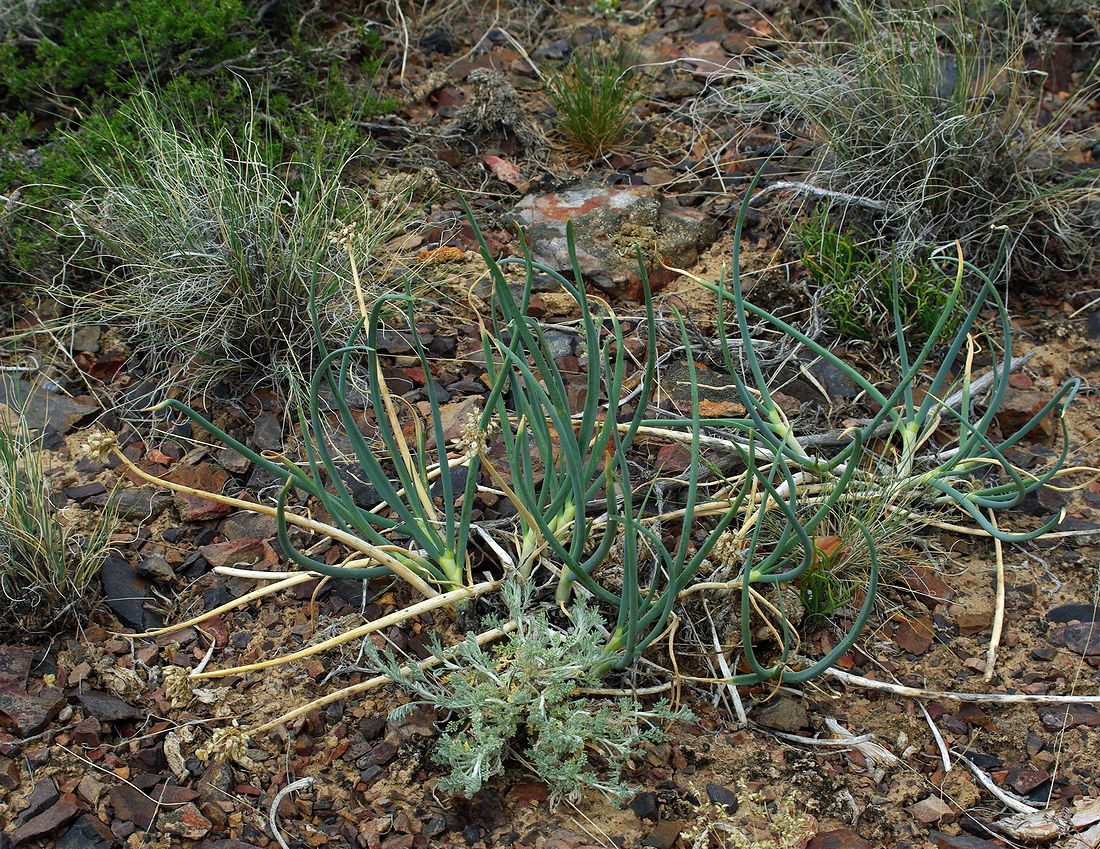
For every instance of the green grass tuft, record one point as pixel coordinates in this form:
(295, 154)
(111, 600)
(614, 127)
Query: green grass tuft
(593, 97)
(857, 284)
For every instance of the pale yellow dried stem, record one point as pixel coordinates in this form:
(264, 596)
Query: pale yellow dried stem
(373, 683)
(999, 609)
(395, 618)
(353, 542)
(261, 592)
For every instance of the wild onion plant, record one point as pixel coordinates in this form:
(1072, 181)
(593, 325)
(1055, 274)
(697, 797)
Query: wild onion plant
(596, 525)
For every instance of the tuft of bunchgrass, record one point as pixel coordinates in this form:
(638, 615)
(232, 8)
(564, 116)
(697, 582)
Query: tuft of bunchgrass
(931, 118)
(210, 243)
(593, 96)
(46, 562)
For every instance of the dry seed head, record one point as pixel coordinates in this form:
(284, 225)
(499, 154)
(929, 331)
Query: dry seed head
(228, 744)
(176, 686)
(98, 445)
(726, 553)
(345, 236)
(472, 440)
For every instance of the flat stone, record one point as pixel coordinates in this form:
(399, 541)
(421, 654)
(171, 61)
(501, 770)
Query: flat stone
(664, 835)
(155, 568)
(928, 587)
(1066, 613)
(132, 805)
(1054, 718)
(914, 634)
(216, 781)
(783, 714)
(45, 823)
(840, 838)
(254, 525)
(267, 433)
(108, 708)
(721, 795)
(1024, 780)
(644, 805)
(203, 476)
(90, 790)
(931, 810)
(42, 410)
(135, 503)
(42, 796)
(608, 222)
(86, 833)
(1018, 407)
(1081, 638)
(245, 551)
(83, 492)
(22, 712)
(126, 594)
(186, 822)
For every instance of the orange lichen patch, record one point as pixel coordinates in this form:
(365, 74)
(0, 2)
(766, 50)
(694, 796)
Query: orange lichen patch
(438, 256)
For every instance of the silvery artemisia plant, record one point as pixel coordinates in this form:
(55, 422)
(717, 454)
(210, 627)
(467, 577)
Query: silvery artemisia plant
(520, 698)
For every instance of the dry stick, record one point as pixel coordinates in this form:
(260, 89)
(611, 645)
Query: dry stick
(301, 578)
(378, 681)
(988, 783)
(300, 784)
(999, 610)
(945, 755)
(350, 540)
(871, 750)
(394, 618)
(827, 742)
(973, 698)
(735, 697)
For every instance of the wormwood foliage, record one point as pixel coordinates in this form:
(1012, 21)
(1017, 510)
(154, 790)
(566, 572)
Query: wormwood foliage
(520, 698)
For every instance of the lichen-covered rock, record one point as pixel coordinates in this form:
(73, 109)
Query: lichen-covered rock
(610, 223)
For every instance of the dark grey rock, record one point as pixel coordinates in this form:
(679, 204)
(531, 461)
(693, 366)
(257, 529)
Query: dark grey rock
(126, 594)
(156, 568)
(107, 708)
(137, 503)
(42, 796)
(721, 795)
(267, 433)
(644, 806)
(83, 834)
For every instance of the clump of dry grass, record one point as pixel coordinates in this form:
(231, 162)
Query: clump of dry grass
(211, 244)
(932, 117)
